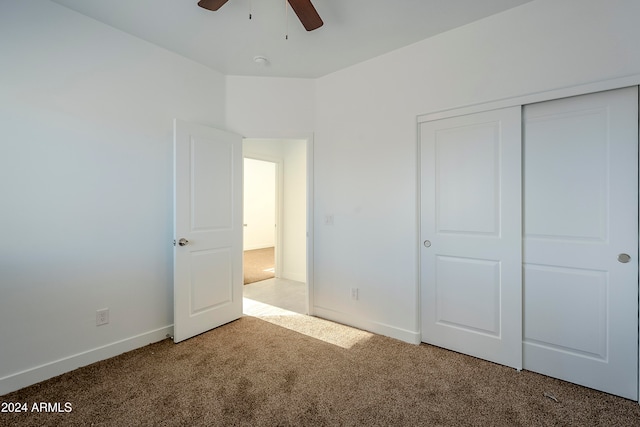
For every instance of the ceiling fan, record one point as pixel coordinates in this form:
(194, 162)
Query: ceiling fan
(303, 8)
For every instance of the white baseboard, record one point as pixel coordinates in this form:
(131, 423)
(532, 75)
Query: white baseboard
(256, 247)
(411, 337)
(40, 373)
(290, 275)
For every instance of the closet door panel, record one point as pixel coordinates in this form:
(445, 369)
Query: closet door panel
(580, 213)
(471, 232)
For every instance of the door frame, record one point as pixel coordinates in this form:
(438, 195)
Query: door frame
(521, 100)
(308, 138)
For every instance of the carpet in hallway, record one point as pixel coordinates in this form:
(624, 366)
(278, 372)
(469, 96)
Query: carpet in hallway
(259, 264)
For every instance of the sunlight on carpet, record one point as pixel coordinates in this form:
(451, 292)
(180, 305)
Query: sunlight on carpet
(324, 330)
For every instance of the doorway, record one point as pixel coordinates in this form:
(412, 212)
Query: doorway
(260, 219)
(275, 225)
(208, 223)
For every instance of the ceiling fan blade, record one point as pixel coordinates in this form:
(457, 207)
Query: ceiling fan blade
(211, 4)
(307, 14)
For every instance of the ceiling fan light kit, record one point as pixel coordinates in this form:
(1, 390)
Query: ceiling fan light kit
(307, 13)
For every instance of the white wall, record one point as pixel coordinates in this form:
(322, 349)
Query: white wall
(260, 107)
(86, 186)
(259, 208)
(365, 137)
(294, 263)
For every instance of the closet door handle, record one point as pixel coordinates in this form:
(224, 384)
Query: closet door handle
(624, 258)
(427, 243)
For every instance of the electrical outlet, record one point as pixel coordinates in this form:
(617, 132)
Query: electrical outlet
(354, 294)
(102, 316)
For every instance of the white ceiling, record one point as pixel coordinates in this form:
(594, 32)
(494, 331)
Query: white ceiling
(227, 41)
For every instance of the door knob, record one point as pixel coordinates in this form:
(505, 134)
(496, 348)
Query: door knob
(183, 242)
(427, 243)
(624, 258)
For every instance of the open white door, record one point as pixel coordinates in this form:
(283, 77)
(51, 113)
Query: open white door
(471, 232)
(208, 229)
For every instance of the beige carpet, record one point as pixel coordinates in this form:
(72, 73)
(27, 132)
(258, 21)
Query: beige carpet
(259, 264)
(298, 371)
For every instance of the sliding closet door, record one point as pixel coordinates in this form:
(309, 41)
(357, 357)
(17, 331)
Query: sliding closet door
(581, 240)
(471, 233)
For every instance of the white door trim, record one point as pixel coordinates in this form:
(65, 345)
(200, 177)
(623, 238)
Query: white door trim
(530, 98)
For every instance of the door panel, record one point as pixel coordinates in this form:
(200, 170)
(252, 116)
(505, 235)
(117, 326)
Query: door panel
(208, 214)
(205, 265)
(551, 291)
(575, 197)
(212, 188)
(471, 217)
(580, 212)
(477, 148)
(456, 300)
